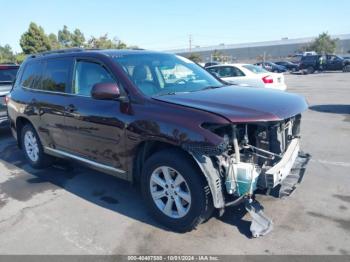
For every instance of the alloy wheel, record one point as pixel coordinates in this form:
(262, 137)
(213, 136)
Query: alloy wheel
(170, 192)
(31, 146)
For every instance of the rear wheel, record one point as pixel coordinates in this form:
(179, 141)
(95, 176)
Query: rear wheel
(174, 190)
(33, 149)
(310, 70)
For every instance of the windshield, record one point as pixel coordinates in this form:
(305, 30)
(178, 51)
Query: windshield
(255, 69)
(8, 75)
(159, 74)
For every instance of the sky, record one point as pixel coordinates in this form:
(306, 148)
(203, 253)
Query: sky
(167, 24)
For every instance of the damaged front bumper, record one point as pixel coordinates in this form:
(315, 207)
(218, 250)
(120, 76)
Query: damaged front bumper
(283, 176)
(276, 174)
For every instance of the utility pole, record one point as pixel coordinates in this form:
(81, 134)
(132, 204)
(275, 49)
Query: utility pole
(190, 43)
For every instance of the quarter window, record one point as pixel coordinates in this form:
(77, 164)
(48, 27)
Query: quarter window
(32, 74)
(87, 74)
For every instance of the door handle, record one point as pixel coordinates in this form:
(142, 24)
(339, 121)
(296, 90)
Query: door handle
(71, 109)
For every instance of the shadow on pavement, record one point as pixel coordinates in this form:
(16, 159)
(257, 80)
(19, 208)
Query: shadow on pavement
(98, 188)
(234, 216)
(335, 109)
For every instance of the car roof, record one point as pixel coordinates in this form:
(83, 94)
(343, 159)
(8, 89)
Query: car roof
(231, 64)
(80, 51)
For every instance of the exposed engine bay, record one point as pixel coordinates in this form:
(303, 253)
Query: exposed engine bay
(252, 156)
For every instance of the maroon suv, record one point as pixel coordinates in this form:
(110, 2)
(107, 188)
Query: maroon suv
(193, 143)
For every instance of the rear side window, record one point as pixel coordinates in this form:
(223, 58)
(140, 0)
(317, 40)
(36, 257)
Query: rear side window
(213, 70)
(229, 71)
(32, 74)
(56, 75)
(8, 75)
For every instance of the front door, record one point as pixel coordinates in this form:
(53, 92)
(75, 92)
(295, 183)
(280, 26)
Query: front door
(94, 128)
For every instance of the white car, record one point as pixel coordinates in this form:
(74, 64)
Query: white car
(248, 75)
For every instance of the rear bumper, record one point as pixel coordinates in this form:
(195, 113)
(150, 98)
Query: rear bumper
(4, 121)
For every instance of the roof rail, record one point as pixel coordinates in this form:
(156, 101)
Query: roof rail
(59, 51)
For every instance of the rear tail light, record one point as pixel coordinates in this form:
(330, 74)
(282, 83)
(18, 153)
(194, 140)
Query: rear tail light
(7, 99)
(267, 80)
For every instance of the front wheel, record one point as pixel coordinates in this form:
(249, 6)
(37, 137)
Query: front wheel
(174, 190)
(33, 149)
(346, 68)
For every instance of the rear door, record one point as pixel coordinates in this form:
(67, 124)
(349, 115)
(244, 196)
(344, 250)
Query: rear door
(45, 84)
(95, 128)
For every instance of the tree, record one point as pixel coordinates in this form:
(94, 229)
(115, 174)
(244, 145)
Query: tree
(78, 39)
(103, 42)
(217, 56)
(20, 58)
(34, 40)
(68, 39)
(54, 42)
(6, 54)
(195, 57)
(65, 37)
(323, 44)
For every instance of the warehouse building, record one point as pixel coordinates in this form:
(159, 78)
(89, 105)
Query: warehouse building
(271, 50)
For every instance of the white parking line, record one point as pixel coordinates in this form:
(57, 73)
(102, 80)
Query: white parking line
(335, 163)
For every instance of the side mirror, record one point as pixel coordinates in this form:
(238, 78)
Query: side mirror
(105, 91)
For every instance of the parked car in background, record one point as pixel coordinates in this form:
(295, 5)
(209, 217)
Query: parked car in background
(211, 64)
(306, 53)
(289, 65)
(330, 63)
(7, 76)
(272, 67)
(161, 121)
(248, 75)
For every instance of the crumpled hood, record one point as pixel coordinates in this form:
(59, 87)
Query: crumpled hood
(241, 104)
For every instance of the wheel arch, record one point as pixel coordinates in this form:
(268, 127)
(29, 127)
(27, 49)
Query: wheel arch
(146, 149)
(20, 123)
(203, 163)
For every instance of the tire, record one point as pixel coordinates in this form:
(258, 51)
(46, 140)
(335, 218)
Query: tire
(310, 70)
(194, 212)
(346, 68)
(33, 149)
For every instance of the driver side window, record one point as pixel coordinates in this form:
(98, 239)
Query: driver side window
(87, 74)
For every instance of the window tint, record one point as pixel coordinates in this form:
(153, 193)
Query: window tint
(8, 75)
(56, 75)
(237, 72)
(255, 69)
(87, 74)
(213, 70)
(230, 71)
(225, 72)
(32, 73)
